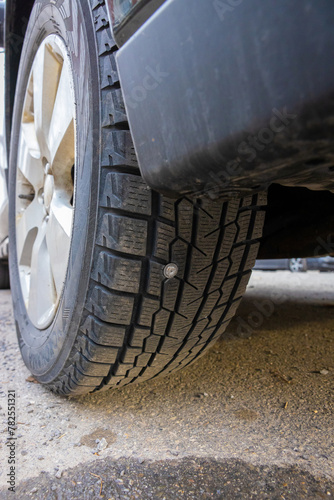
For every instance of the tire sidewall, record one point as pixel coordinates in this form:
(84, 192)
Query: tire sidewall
(45, 351)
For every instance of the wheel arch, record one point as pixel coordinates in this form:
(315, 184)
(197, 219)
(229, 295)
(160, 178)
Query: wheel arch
(17, 16)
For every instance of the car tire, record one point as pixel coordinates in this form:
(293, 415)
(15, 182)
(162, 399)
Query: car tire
(150, 283)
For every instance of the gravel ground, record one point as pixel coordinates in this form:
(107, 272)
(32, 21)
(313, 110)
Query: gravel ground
(188, 478)
(259, 405)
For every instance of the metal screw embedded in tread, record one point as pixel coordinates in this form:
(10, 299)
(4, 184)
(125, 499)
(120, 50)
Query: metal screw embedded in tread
(170, 270)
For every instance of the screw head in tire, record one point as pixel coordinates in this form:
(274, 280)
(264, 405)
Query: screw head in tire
(170, 271)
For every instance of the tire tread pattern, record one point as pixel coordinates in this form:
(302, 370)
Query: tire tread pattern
(136, 323)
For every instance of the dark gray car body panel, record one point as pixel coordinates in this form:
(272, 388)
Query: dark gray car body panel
(232, 99)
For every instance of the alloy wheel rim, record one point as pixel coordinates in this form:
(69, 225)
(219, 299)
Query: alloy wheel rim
(296, 265)
(45, 181)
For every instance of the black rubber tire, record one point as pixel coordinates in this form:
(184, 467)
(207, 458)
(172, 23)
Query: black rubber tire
(4, 275)
(120, 320)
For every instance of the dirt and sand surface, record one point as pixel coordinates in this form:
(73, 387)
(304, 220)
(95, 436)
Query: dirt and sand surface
(253, 418)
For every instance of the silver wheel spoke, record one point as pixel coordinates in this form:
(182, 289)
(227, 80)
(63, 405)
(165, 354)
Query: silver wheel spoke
(44, 92)
(62, 121)
(58, 237)
(30, 166)
(27, 224)
(42, 294)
